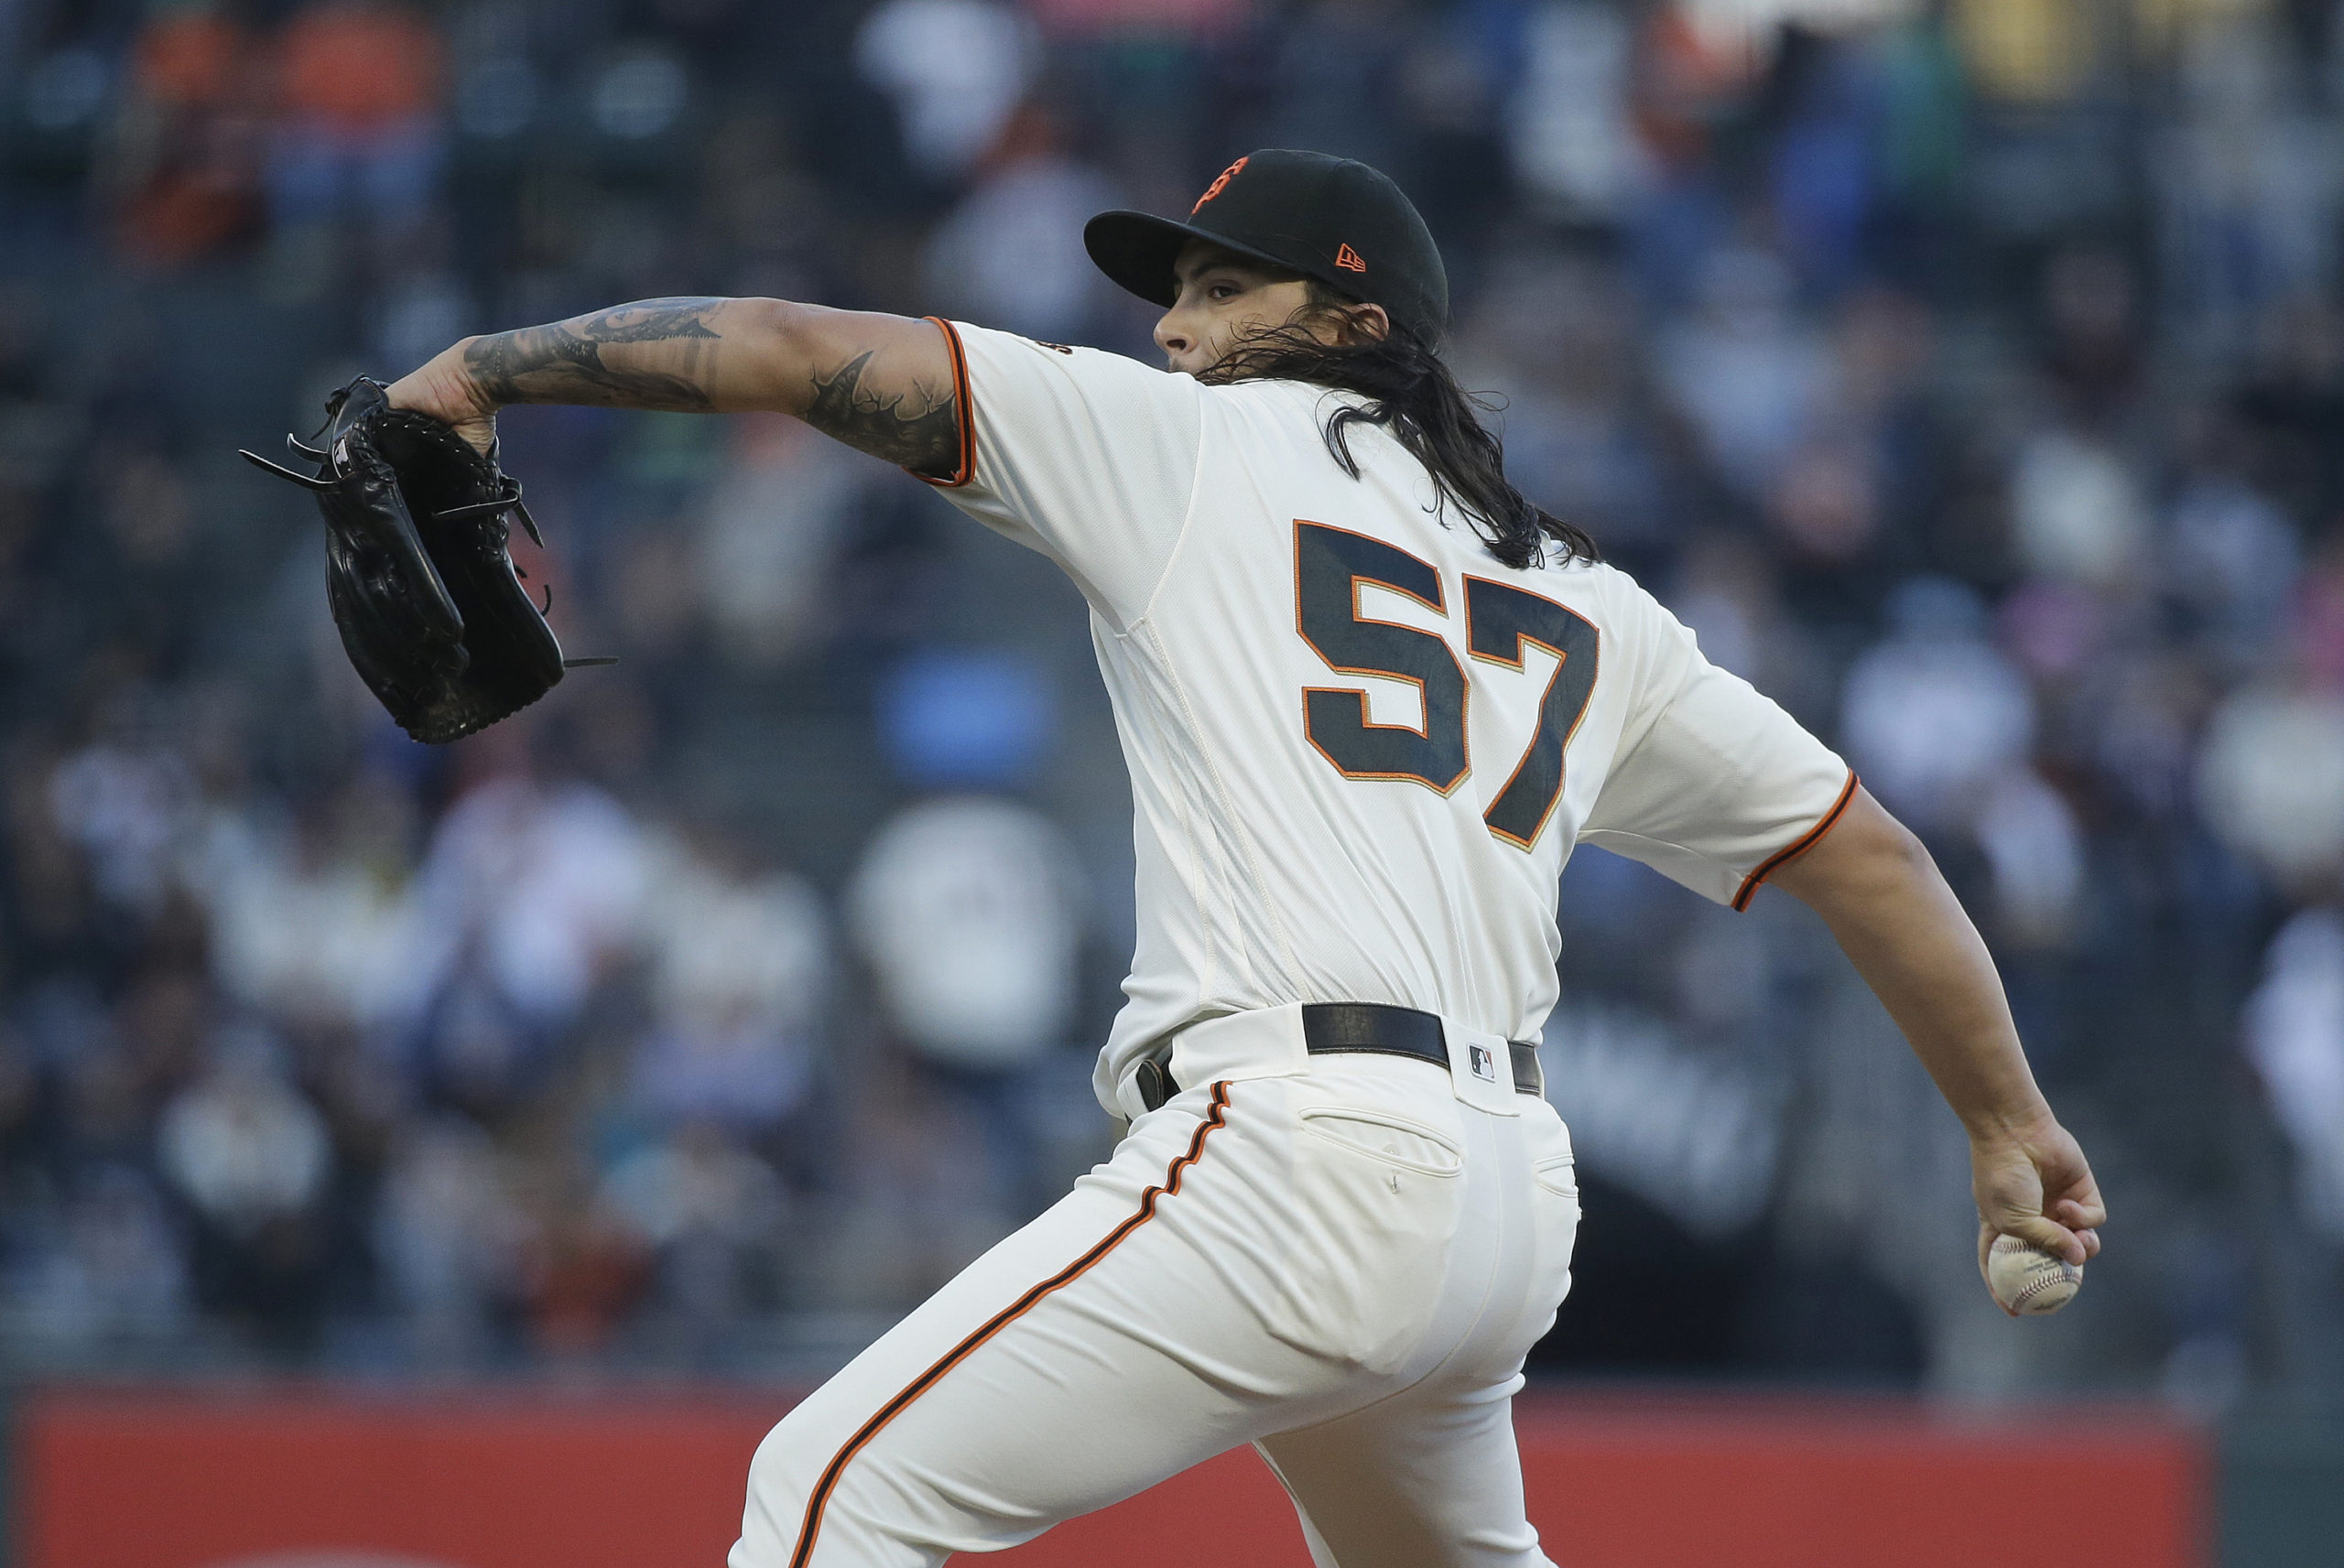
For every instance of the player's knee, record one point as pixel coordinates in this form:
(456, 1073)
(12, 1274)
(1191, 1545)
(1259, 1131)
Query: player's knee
(782, 1475)
(801, 1490)
(783, 1471)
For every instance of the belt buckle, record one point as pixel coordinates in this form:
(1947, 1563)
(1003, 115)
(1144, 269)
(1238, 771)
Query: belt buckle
(1480, 1069)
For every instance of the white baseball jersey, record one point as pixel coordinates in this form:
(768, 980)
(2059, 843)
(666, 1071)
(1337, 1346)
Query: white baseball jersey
(1361, 748)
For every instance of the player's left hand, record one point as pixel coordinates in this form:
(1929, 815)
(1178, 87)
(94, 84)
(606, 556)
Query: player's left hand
(440, 388)
(2036, 1185)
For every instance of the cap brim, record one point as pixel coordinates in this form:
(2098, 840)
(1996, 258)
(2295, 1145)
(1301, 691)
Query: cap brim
(1137, 250)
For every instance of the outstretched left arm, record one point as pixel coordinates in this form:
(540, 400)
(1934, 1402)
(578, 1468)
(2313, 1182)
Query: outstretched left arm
(881, 383)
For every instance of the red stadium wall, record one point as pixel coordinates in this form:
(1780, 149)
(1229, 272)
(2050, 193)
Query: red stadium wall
(345, 1480)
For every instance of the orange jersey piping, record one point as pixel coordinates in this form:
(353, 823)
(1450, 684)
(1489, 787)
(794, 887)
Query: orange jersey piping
(965, 469)
(1807, 842)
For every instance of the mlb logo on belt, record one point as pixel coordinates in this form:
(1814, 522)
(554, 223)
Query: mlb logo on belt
(1485, 1064)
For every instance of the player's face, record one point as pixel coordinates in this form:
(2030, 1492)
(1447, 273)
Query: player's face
(1224, 299)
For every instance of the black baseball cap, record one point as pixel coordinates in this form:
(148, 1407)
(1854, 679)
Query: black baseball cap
(1332, 219)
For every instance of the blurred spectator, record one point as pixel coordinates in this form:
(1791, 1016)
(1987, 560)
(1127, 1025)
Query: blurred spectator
(956, 70)
(1743, 369)
(1863, 470)
(2290, 409)
(709, 1213)
(2294, 1037)
(450, 1237)
(740, 981)
(1694, 1135)
(2034, 850)
(359, 87)
(474, 1050)
(163, 1019)
(2252, 186)
(50, 900)
(185, 163)
(1557, 335)
(310, 920)
(1825, 171)
(917, 1204)
(1568, 122)
(1726, 591)
(1936, 712)
(113, 1279)
(2091, 312)
(768, 533)
(124, 801)
(1824, 503)
(2233, 559)
(2076, 514)
(584, 1263)
(1939, 723)
(530, 887)
(2025, 51)
(252, 1160)
(967, 907)
(2272, 777)
(1010, 255)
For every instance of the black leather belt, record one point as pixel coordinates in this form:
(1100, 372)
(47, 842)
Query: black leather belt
(1334, 1027)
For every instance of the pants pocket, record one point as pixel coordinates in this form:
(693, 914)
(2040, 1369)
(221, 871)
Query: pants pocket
(1377, 1197)
(1559, 1175)
(1393, 1140)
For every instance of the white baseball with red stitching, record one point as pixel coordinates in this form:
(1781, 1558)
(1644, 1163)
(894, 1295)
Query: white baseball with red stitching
(2028, 1281)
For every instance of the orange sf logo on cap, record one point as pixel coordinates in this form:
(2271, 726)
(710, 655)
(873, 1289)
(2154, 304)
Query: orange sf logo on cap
(1348, 259)
(1217, 187)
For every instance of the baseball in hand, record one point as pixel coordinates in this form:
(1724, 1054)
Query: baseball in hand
(2028, 1281)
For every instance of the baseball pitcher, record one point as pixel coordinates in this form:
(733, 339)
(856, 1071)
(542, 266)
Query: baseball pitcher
(1370, 697)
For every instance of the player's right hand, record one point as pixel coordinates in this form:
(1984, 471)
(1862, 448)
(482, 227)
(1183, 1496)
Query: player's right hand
(2036, 1185)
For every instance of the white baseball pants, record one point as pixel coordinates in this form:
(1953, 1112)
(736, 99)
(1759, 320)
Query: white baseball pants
(1340, 1258)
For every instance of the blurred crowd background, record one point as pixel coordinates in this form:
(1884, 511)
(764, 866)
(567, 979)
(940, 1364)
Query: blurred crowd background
(1970, 373)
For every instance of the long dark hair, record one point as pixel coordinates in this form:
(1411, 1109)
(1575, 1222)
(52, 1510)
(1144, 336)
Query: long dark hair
(1409, 391)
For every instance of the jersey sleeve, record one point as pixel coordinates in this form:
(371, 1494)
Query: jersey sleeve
(1090, 458)
(1713, 785)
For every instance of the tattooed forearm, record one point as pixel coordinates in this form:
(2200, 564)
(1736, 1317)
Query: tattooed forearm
(919, 430)
(884, 384)
(671, 355)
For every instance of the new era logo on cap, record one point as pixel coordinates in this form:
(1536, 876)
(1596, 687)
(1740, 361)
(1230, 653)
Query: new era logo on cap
(1485, 1064)
(1346, 258)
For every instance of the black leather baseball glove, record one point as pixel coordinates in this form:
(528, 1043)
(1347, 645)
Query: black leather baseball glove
(430, 604)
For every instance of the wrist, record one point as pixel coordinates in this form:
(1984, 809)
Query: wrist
(461, 384)
(2004, 1127)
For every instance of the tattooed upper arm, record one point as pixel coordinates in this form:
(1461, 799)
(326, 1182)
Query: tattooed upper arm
(914, 424)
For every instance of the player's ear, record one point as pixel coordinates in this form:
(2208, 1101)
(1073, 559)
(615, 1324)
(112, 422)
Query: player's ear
(1366, 323)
